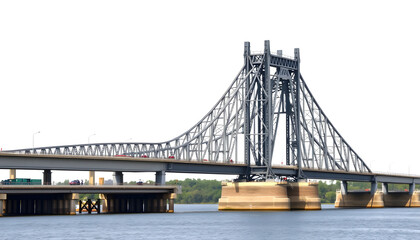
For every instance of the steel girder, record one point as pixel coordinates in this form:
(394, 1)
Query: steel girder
(242, 126)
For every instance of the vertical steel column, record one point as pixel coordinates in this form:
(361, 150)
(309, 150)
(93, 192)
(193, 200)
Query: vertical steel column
(118, 178)
(267, 108)
(412, 188)
(286, 92)
(47, 177)
(344, 188)
(297, 115)
(160, 178)
(247, 119)
(373, 187)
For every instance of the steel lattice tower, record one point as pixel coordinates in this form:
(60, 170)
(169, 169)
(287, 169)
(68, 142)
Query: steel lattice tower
(242, 126)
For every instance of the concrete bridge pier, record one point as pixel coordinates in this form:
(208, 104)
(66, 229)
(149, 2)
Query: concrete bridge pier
(272, 196)
(171, 201)
(12, 174)
(360, 199)
(118, 178)
(303, 196)
(3, 198)
(401, 199)
(91, 177)
(47, 177)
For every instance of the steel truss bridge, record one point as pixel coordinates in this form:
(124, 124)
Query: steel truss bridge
(242, 127)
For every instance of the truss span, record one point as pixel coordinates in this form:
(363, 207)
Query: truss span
(242, 126)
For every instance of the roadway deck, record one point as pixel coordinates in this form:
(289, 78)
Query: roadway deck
(130, 164)
(104, 189)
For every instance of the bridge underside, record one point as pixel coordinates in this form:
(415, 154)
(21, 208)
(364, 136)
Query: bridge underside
(62, 200)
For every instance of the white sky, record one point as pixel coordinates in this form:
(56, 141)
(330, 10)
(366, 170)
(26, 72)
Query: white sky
(149, 70)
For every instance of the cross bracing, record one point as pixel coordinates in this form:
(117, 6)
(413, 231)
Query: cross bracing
(243, 125)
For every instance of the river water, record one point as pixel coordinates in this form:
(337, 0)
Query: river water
(203, 221)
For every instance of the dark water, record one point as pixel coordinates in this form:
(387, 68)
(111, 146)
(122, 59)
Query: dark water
(205, 222)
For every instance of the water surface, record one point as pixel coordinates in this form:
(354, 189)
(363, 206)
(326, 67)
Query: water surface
(203, 221)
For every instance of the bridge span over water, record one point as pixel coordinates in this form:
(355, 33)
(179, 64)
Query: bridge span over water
(162, 166)
(237, 136)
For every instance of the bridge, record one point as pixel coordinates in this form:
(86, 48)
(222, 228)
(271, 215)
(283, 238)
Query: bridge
(237, 136)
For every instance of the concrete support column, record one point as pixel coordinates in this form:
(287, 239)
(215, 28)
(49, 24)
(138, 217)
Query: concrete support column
(344, 188)
(91, 177)
(12, 174)
(171, 202)
(3, 198)
(160, 178)
(412, 187)
(73, 202)
(47, 177)
(373, 187)
(385, 188)
(118, 178)
(104, 201)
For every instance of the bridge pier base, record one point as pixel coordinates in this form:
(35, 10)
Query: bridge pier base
(401, 199)
(359, 200)
(271, 196)
(303, 196)
(377, 199)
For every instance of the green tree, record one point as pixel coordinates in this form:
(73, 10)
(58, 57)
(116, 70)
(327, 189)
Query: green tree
(198, 190)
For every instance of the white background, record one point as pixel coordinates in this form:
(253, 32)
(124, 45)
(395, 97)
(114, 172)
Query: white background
(149, 70)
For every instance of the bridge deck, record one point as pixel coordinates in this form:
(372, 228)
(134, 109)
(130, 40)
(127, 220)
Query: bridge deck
(105, 189)
(130, 164)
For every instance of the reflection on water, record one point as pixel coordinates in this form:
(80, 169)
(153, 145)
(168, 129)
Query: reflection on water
(203, 221)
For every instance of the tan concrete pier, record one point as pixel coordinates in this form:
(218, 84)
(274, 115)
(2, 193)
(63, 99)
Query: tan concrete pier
(377, 199)
(359, 200)
(269, 196)
(402, 199)
(303, 196)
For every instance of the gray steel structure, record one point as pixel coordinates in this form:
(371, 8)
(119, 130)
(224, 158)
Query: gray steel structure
(268, 86)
